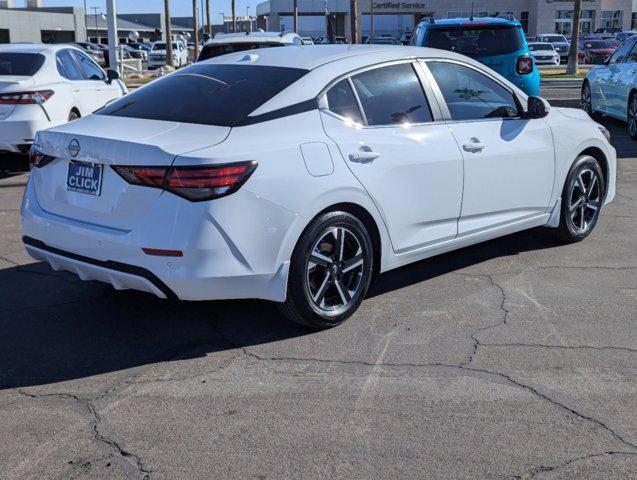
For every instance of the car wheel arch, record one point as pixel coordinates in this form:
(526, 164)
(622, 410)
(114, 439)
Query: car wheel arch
(598, 155)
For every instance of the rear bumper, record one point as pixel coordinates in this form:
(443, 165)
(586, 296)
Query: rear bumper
(16, 133)
(230, 247)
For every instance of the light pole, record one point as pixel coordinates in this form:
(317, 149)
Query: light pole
(223, 21)
(85, 25)
(195, 28)
(249, 26)
(169, 37)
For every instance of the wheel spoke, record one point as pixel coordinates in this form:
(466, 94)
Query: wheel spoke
(320, 293)
(353, 263)
(340, 243)
(317, 258)
(574, 206)
(593, 182)
(343, 292)
(582, 219)
(593, 205)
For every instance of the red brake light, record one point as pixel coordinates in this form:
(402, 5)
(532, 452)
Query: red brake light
(38, 159)
(525, 65)
(194, 183)
(25, 98)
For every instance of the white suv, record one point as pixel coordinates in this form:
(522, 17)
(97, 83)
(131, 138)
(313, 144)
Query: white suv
(224, 43)
(157, 55)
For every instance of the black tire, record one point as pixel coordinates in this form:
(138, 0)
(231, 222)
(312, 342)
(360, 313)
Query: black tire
(328, 279)
(586, 102)
(73, 115)
(631, 116)
(581, 206)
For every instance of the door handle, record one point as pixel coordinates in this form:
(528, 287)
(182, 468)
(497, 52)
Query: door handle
(364, 156)
(474, 146)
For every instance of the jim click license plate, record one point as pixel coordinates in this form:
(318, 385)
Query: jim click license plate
(84, 178)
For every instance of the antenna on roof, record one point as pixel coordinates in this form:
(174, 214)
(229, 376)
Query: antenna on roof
(471, 19)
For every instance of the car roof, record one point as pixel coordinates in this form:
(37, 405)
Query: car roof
(278, 37)
(34, 47)
(328, 62)
(446, 22)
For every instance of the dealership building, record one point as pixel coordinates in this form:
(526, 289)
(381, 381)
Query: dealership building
(395, 17)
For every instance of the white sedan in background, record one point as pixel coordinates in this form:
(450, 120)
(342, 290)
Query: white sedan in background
(298, 174)
(544, 53)
(42, 86)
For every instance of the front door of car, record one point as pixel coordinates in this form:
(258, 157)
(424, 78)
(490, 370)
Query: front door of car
(409, 164)
(612, 84)
(508, 161)
(94, 89)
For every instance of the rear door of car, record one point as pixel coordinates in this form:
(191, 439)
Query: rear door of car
(394, 142)
(611, 86)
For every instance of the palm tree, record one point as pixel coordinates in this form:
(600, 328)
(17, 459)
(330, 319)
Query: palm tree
(571, 68)
(296, 16)
(234, 17)
(353, 15)
(169, 37)
(195, 27)
(208, 17)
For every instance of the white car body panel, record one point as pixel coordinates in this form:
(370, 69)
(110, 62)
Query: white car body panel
(425, 194)
(19, 123)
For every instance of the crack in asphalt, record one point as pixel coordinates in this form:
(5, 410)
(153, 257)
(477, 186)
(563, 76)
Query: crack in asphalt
(140, 470)
(552, 468)
(563, 347)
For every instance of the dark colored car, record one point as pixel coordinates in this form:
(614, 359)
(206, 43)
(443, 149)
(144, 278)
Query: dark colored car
(595, 51)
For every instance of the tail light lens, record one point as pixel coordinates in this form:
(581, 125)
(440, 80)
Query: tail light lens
(38, 159)
(525, 65)
(194, 183)
(26, 98)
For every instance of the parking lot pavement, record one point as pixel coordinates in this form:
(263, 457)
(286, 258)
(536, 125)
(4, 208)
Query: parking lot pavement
(516, 358)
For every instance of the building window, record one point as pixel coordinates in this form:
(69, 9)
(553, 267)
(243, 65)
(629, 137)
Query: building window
(524, 20)
(4, 36)
(564, 22)
(612, 19)
(633, 21)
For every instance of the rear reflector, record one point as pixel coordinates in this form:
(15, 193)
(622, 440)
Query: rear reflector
(194, 183)
(525, 65)
(38, 159)
(163, 253)
(25, 98)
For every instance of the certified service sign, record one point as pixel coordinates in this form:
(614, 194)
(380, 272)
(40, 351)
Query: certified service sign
(74, 148)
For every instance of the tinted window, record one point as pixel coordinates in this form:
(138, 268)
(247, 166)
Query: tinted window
(215, 50)
(475, 41)
(621, 53)
(341, 100)
(206, 94)
(471, 95)
(540, 46)
(632, 57)
(67, 66)
(20, 63)
(392, 95)
(90, 69)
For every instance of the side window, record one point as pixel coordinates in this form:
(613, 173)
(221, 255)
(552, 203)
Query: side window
(621, 53)
(632, 57)
(67, 66)
(392, 95)
(90, 69)
(471, 95)
(341, 101)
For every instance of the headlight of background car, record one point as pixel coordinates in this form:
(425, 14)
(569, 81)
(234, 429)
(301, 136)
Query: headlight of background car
(605, 132)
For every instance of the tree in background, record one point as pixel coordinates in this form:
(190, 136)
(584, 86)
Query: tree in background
(169, 36)
(571, 68)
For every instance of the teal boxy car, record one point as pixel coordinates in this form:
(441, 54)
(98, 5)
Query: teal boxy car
(496, 42)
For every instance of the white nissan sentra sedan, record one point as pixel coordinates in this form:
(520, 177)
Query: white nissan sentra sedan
(42, 86)
(298, 174)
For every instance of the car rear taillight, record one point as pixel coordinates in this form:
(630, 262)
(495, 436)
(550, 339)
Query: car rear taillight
(38, 159)
(525, 65)
(26, 98)
(194, 183)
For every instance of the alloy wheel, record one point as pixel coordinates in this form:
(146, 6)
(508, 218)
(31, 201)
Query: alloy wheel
(632, 117)
(585, 195)
(334, 270)
(585, 101)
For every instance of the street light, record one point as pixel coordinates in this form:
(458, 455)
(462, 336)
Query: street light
(85, 23)
(249, 27)
(97, 33)
(223, 21)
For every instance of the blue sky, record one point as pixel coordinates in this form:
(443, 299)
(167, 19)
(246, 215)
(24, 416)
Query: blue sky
(178, 8)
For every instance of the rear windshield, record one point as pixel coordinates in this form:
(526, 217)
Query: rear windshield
(222, 95)
(598, 44)
(215, 50)
(554, 38)
(540, 46)
(20, 63)
(162, 46)
(476, 41)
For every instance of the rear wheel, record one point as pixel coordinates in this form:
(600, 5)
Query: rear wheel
(330, 271)
(73, 115)
(582, 199)
(632, 116)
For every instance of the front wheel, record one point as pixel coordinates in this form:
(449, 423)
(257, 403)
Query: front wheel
(582, 199)
(586, 101)
(632, 116)
(330, 271)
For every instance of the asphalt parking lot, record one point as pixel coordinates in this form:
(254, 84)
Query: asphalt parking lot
(516, 358)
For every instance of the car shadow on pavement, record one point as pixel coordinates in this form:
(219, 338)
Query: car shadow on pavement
(13, 164)
(56, 327)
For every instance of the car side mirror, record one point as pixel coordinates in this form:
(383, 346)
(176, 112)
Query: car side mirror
(537, 108)
(112, 74)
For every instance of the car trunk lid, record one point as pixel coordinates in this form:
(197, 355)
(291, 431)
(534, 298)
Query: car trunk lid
(101, 142)
(11, 84)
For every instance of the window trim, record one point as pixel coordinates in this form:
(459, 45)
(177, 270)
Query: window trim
(434, 108)
(446, 113)
(74, 60)
(77, 56)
